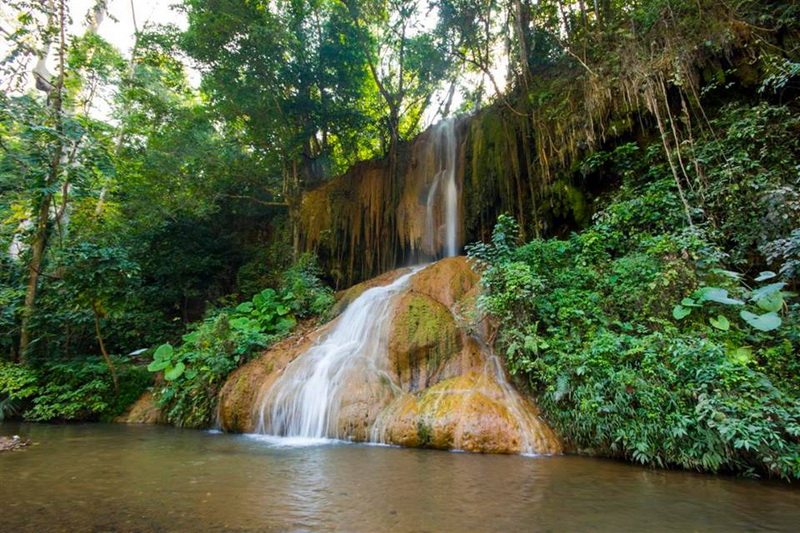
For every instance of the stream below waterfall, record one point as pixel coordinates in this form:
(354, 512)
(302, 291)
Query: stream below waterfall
(146, 478)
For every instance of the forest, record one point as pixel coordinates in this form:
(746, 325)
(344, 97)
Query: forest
(629, 180)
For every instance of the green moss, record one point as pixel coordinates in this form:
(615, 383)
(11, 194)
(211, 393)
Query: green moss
(569, 201)
(424, 434)
(426, 329)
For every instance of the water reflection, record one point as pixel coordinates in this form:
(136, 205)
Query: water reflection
(162, 479)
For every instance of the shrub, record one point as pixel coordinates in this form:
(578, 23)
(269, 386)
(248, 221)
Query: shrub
(75, 390)
(644, 348)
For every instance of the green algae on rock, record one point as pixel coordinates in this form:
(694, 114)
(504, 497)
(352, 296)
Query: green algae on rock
(426, 381)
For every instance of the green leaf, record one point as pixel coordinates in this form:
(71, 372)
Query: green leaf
(742, 355)
(772, 303)
(766, 290)
(729, 273)
(285, 324)
(190, 337)
(688, 302)
(679, 312)
(163, 352)
(174, 372)
(720, 323)
(715, 294)
(244, 307)
(240, 323)
(766, 275)
(158, 366)
(268, 294)
(765, 322)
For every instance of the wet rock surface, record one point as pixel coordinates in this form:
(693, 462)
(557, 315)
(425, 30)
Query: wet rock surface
(13, 443)
(428, 382)
(144, 411)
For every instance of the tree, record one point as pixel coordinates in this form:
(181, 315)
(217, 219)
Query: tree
(48, 178)
(289, 75)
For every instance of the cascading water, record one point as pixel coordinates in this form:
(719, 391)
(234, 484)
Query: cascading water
(305, 401)
(348, 384)
(442, 224)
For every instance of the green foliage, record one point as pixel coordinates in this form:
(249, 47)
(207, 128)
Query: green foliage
(194, 371)
(75, 390)
(309, 295)
(17, 384)
(267, 311)
(746, 172)
(769, 298)
(590, 324)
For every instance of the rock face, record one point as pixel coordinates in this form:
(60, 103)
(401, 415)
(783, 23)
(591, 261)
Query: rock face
(9, 444)
(144, 411)
(431, 382)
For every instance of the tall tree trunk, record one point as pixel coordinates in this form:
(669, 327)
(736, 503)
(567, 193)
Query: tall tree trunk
(41, 235)
(34, 269)
(520, 26)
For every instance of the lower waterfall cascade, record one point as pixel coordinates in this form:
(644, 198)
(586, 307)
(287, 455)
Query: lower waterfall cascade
(396, 367)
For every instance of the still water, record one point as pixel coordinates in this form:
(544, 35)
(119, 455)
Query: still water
(141, 478)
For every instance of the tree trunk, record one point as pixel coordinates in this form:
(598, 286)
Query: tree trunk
(103, 350)
(43, 224)
(520, 26)
(34, 269)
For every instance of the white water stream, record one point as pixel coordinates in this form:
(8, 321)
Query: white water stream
(442, 229)
(306, 399)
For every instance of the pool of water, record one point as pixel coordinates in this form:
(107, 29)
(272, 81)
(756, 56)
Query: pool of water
(142, 478)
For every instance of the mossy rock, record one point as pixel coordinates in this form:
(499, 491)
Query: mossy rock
(240, 393)
(361, 402)
(423, 338)
(448, 281)
(457, 413)
(467, 412)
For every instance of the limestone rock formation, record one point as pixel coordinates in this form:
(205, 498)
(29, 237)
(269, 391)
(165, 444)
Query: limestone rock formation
(437, 385)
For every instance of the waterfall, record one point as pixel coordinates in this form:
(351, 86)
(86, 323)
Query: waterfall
(443, 227)
(306, 400)
(352, 383)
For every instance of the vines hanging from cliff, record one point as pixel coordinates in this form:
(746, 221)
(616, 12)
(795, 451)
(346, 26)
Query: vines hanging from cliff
(628, 73)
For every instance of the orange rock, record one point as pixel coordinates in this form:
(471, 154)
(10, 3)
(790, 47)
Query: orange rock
(447, 281)
(437, 385)
(423, 339)
(144, 411)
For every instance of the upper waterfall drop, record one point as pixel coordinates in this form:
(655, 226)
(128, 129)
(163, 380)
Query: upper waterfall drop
(442, 225)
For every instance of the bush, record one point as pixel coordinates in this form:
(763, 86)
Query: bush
(196, 369)
(590, 325)
(310, 296)
(17, 384)
(76, 390)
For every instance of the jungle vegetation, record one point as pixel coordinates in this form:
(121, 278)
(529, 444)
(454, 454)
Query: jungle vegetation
(633, 174)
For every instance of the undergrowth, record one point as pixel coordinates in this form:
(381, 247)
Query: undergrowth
(649, 339)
